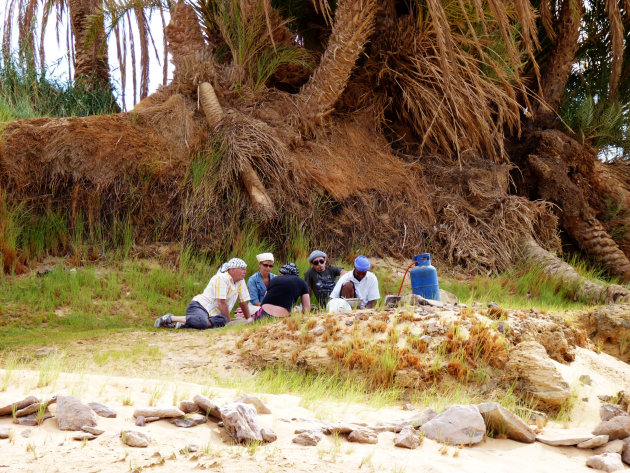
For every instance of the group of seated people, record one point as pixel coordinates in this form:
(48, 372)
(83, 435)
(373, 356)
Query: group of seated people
(270, 295)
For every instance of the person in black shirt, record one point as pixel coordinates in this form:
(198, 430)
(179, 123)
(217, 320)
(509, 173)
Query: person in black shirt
(321, 278)
(283, 292)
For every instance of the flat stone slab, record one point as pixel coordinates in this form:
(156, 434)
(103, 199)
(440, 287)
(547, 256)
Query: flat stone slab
(102, 410)
(563, 437)
(595, 442)
(27, 401)
(92, 430)
(83, 436)
(189, 420)
(161, 412)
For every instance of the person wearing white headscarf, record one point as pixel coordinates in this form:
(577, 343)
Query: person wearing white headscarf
(258, 282)
(211, 309)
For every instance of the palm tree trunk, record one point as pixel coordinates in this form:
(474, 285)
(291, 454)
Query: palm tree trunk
(354, 21)
(91, 64)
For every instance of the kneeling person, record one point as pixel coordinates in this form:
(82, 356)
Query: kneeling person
(211, 309)
(283, 292)
(360, 283)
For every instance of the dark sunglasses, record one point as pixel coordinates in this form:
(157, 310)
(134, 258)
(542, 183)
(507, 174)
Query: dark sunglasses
(318, 262)
(267, 265)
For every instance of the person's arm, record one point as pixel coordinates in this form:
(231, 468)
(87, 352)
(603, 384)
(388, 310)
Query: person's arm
(253, 292)
(245, 308)
(370, 304)
(223, 307)
(373, 293)
(306, 303)
(336, 292)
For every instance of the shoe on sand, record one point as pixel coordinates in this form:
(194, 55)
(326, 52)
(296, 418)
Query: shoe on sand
(163, 321)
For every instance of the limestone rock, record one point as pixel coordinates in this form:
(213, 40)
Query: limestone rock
(608, 411)
(616, 446)
(102, 410)
(72, 414)
(363, 435)
(135, 438)
(407, 438)
(501, 421)
(161, 412)
(563, 437)
(207, 406)
(268, 435)
(189, 421)
(609, 322)
(240, 422)
(425, 416)
(457, 425)
(4, 432)
(595, 442)
(254, 401)
(530, 364)
(27, 401)
(616, 428)
(308, 438)
(188, 407)
(92, 430)
(608, 462)
(83, 436)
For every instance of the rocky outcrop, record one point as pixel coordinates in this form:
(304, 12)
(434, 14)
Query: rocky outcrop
(72, 414)
(457, 425)
(500, 421)
(241, 422)
(536, 374)
(609, 326)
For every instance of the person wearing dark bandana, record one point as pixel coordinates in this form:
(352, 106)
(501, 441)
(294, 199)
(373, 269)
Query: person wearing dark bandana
(282, 294)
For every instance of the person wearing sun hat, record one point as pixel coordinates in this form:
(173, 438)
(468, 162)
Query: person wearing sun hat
(258, 282)
(211, 309)
(321, 277)
(282, 294)
(361, 283)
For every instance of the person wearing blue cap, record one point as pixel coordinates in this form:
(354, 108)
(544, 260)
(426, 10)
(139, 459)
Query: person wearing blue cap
(360, 283)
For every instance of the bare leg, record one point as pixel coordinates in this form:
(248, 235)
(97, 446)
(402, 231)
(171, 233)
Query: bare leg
(178, 318)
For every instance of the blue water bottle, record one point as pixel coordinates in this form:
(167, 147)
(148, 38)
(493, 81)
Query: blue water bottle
(424, 280)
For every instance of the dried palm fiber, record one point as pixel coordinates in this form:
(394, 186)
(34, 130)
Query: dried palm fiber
(464, 113)
(354, 21)
(555, 267)
(191, 56)
(255, 189)
(560, 170)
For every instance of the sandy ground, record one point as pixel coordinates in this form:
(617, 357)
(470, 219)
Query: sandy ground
(47, 449)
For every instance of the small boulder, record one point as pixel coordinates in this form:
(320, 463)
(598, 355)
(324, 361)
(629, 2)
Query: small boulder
(135, 438)
(616, 428)
(161, 412)
(92, 430)
(241, 422)
(189, 420)
(188, 407)
(83, 436)
(595, 442)
(448, 297)
(363, 435)
(102, 410)
(407, 438)
(317, 331)
(140, 421)
(207, 407)
(72, 414)
(616, 446)
(4, 432)
(256, 402)
(457, 425)
(608, 411)
(425, 416)
(308, 439)
(608, 462)
(268, 435)
(500, 421)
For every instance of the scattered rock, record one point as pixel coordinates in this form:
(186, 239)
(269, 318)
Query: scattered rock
(188, 407)
(308, 439)
(363, 435)
(207, 407)
(341, 428)
(608, 411)
(595, 442)
(349, 322)
(4, 432)
(457, 425)
(616, 428)
(268, 435)
(256, 402)
(92, 430)
(44, 351)
(140, 421)
(425, 416)
(83, 436)
(72, 414)
(27, 401)
(501, 421)
(33, 419)
(408, 407)
(161, 412)
(407, 438)
(586, 379)
(135, 438)
(530, 364)
(102, 410)
(189, 421)
(393, 426)
(501, 326)
(563, 437)
(604, 397)
(240, 421)
(26, 433)
(317, 331)
(608, 462)
(448, 297)
(616, 446)
(191, 448)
